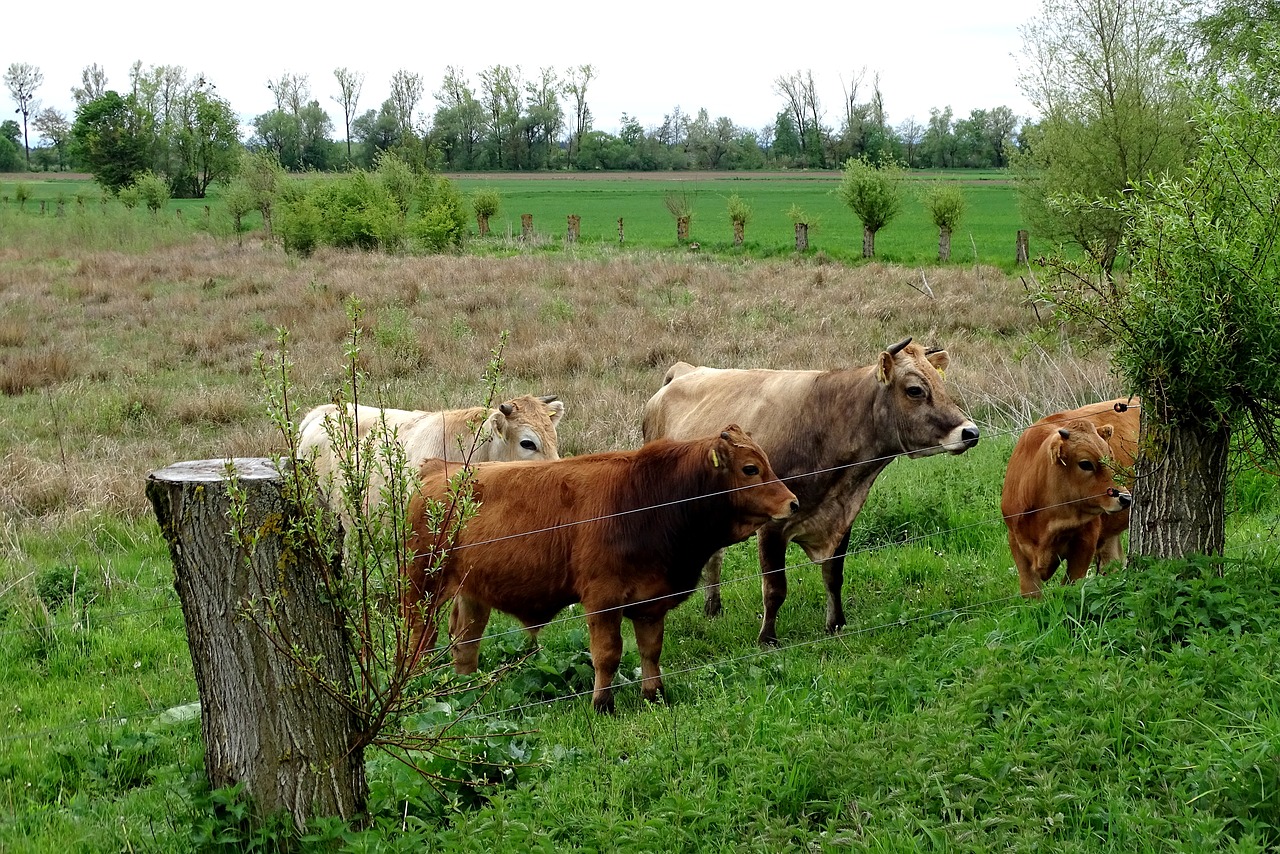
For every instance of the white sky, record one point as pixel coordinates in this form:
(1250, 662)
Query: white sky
(648, 57)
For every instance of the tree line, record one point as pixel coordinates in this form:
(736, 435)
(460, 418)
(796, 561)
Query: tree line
(175, 125)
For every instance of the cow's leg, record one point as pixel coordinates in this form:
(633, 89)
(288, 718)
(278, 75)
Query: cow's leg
(1029, 579)
(1079, 556)
(711, 584)
(833, 578)
(604, 624)
(649, 642)
(466, 625)
(1109, 551)
(773, 579)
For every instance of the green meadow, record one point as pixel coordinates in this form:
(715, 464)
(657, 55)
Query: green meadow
(1137, 711)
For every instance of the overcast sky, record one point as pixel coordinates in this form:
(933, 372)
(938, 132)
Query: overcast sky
(648, 57)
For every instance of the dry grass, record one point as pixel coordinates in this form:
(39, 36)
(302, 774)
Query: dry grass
(151, 357)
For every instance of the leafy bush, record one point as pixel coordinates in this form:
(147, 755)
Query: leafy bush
(398, 178)
(299, 226)
(442, 216)
(354, 211)
(739, 210)
(486, 202)
(944, 204)
(153, 190)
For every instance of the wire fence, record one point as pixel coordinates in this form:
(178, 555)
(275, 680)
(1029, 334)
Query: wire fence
(151, 712)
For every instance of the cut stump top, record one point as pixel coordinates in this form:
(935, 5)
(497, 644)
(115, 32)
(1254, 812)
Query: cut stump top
(212, 471)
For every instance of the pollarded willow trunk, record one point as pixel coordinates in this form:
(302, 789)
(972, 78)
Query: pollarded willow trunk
(1179, 506)
(739, 232)
(868, 243)
(266, 722)
(944, 244)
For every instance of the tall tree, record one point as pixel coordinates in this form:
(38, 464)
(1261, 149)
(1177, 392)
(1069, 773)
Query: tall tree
(206, 144)
(350, 83)
(458, 124)
(1105, 77)
(406, 92)
(500, 95)
(291, 91)
(22, 80)
(106, 139)
(800, 91)
(1196, 329)
(93, 84)
(52, 124)
(577, 80)
(545, 116)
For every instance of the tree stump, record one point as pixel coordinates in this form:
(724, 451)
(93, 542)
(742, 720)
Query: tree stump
(265, 722)
(526, 226)
(575, 224)
(1022, 246)
(802, 236)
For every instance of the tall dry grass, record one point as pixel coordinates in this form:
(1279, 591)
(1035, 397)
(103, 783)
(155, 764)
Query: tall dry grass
(159, 348)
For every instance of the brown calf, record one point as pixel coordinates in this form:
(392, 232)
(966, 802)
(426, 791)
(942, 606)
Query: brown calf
(625, 533)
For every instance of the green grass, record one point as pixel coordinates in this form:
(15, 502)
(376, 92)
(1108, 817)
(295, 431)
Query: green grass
(986, 235)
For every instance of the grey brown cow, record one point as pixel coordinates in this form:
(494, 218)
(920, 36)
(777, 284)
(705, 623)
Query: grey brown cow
(828, 435)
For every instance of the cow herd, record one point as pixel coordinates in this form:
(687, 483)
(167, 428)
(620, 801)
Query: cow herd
(787, 455)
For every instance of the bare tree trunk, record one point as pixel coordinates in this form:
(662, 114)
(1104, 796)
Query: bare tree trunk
(1022, 247)
(1179, 505)
(526, 226)
(483, 223)
(265, 721)
(739, 232)
(575, 227)
(682, 229)
(868, 243)
(802, 236)
(944, 244)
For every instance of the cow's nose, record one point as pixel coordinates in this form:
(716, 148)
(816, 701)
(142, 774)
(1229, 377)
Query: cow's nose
(795, 506)
(1125, 500)
(970, 436)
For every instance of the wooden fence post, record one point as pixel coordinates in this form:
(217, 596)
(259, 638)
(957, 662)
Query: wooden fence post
(1022, 246)
(265, 722)
(621, 235)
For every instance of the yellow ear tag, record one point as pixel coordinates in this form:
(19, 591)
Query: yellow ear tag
(942, 373)
(715, 460)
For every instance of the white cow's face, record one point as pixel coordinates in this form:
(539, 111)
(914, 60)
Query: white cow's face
(524, 428)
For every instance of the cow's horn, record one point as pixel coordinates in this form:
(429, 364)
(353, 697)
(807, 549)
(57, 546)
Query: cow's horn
(897, 348)
(549, 398)
(929, 351)
(1064, 433)
(506, 409)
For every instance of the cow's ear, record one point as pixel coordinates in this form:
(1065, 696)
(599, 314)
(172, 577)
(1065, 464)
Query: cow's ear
(555, 409)
(940, 360)
(885, 369)
(1055, 447)
(495, 423)
(1106, 431)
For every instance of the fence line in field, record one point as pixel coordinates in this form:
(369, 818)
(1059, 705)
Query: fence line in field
(888, 458)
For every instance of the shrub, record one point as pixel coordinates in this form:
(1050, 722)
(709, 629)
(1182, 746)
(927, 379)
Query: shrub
(398, 178)
(153, 190)
(486, 202)
(442, 217)
(944, 204)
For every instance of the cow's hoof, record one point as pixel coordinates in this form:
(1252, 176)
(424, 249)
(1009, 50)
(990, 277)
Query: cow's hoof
(604, 705)
(712, 608)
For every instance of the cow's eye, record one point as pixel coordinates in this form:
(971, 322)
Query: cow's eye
(915, 391)
(529, 445)
(1086, 465)
(751, 469)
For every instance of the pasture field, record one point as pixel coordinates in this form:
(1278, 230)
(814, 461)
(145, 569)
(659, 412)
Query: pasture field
(1133, 712)
(986, 234)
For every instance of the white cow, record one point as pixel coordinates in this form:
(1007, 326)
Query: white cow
(523, 428)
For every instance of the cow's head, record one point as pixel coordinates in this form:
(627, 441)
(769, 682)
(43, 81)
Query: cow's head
(927, 421)
(744, 472)
(1080, 469)
(524, 428)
